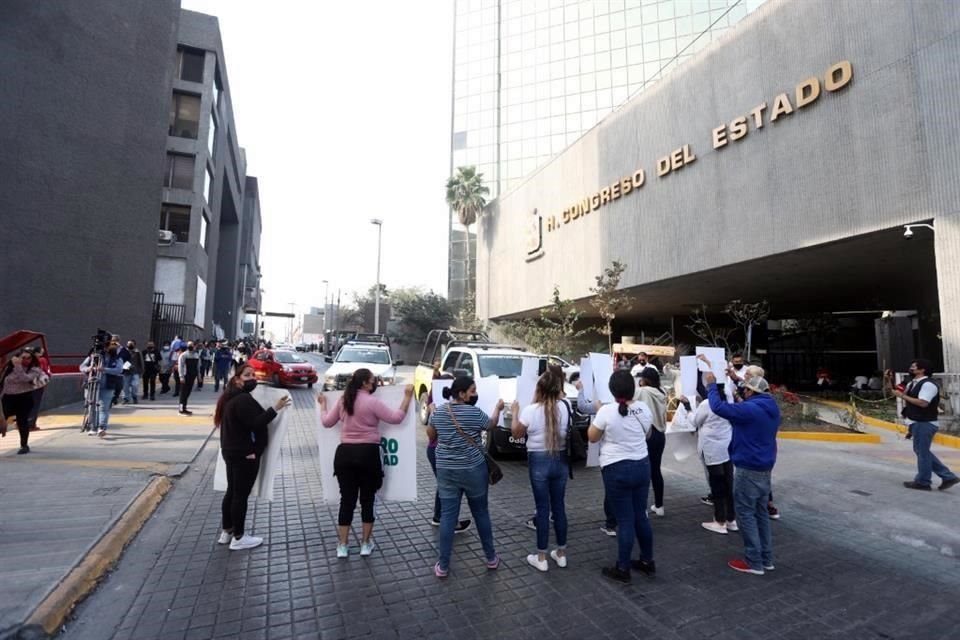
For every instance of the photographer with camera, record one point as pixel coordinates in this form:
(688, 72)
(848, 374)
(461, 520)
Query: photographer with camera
(107, 368)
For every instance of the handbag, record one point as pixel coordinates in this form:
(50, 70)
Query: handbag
(494, 473)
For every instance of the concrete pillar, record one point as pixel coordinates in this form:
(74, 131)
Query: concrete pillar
(947, 247)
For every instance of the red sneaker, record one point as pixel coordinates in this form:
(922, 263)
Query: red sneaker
(743, 567)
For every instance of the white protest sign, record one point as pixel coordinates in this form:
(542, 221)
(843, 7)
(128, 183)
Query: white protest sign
(527, 382)
(718, 361)
(436, 390)
(602, 366)
(270, 463)
(398, 454)
(586, 379)
(488, 394)
(683, 444)
(593, 454)
(688, 377)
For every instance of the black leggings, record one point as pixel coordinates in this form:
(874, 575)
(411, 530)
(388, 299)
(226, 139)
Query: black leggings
(186, 387)
(721, 488)
(655, 445)
(358, 470)
(19, 405)
(241, 476)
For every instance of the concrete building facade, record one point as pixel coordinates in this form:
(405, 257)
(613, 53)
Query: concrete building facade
(531, 76)
(780, 163)
(200, 252)
(82, 134)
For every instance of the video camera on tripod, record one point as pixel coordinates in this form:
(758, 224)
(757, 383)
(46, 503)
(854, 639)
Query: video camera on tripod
(91, 386)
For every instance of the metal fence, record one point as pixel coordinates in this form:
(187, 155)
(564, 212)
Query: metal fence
(167, 321)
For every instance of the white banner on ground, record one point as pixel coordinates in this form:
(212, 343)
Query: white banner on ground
(271, 462)
(688, 377)
(718, 361)
(436, 390)
(398, 451)
(586, 379)
(602, 366)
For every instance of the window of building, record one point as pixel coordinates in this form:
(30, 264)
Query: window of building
(176, 219)
(204, 226)
(212, 135)
(190, 64)
(459, 140)
(208, 186)
(179, 171)
(184, 115)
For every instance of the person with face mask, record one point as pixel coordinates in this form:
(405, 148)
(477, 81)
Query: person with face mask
(188, 366)
(462, 468)
(132, 370)
(243, 440)
(150, 370)
(164, 366)
(222, 360)
(357, 460)
(110, 373)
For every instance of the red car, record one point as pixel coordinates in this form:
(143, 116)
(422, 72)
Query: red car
(283, 368)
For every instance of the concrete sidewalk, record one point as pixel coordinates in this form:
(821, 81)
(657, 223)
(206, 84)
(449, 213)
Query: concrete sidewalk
(60, 500)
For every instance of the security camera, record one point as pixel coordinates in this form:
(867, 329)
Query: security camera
(908, 233)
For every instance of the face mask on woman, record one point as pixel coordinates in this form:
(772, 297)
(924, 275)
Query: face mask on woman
(249, 385)
(472, 400)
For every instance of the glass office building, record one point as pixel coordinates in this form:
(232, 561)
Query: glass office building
(531, 76)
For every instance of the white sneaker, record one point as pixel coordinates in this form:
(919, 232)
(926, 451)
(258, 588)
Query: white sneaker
(657, 511)
(534, 561)
(716, 527)
(91, 432)
(366, 548)
(560, 560)
(343, 551)
(732, 526)
(102, 433)
(224, 538)
(246, 542)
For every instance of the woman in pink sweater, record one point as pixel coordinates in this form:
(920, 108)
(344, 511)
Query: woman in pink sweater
(357, 460)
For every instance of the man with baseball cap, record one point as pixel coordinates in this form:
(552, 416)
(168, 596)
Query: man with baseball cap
(753, 450)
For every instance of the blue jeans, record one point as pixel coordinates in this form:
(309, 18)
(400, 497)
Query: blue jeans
(627, 484)
(927, 462)
(453, 484)
(751, 490)
(432, 459)
(104, 404)
(131, 384)
(548, 478)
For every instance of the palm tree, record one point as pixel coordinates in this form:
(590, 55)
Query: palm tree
(466, 194)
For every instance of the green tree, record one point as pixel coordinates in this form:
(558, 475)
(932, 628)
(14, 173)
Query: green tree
(554, 332)
(420, 312)
(467, 195)
(608, 300)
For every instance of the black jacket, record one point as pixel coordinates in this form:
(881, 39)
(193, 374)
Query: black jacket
(243, 427)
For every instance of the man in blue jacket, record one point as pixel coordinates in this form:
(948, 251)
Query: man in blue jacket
(753, 450)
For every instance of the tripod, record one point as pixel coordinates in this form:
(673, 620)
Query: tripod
(91, 394)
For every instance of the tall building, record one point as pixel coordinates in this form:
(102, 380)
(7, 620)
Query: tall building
(532, 76)
(205, 260)
(83, 124)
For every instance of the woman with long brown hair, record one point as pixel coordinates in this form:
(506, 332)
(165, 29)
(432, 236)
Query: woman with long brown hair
(243, 439)
(544, 424)
(357, 462)
(18, 381)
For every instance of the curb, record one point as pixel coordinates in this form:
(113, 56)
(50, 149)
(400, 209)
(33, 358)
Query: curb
(826, 436)
(941, 438)
(83, 578)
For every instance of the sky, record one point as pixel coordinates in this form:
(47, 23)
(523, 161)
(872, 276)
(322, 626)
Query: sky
(344, 111)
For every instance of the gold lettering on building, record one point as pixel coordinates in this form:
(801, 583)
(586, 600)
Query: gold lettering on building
(781, 107)
(807, 92)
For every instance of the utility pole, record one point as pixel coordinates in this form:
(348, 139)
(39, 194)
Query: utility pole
(326, 289)
(376, 298)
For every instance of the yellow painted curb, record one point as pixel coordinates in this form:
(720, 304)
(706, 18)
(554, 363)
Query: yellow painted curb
(826, 436)
(941, 438)
(84, 577)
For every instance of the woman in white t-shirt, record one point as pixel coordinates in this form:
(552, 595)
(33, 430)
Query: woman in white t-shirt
(544, 424)
(624, 428)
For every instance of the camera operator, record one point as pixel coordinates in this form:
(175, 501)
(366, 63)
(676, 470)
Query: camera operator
(110, 375)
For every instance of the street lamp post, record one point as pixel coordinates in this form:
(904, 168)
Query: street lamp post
(376, 298)
(326, 290)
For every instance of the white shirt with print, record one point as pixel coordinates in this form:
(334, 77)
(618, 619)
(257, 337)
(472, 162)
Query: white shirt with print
(624, 437)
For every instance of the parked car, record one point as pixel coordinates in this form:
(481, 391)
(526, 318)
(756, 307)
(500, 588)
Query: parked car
(283, 368)
(375, 357)
(568, 367)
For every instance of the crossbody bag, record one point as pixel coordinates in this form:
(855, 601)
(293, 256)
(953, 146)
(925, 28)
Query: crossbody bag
(494, 473)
